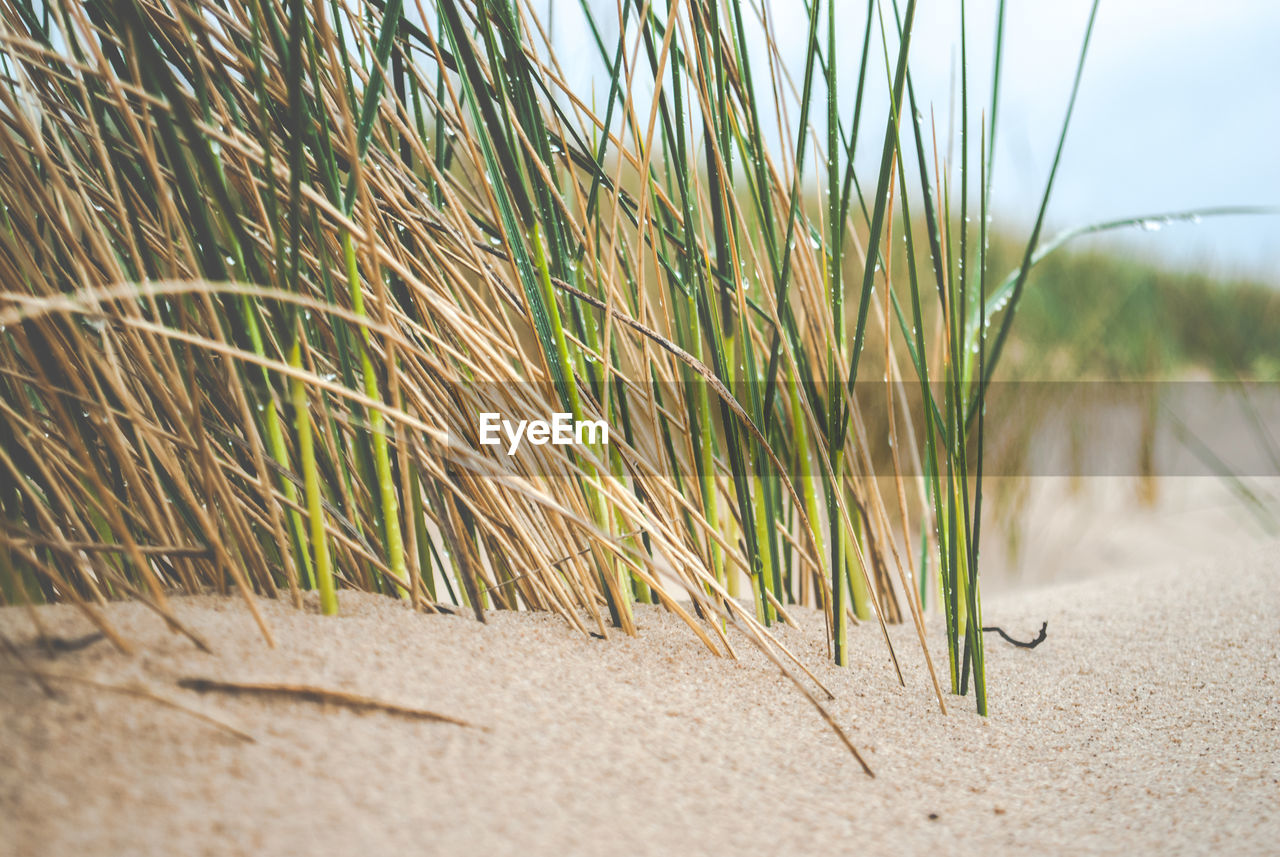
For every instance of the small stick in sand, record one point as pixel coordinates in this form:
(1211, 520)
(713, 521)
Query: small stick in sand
(324, 696)
(62, 645)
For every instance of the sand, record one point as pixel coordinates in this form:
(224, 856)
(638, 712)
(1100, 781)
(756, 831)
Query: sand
(1054, 529)
(1146, 723)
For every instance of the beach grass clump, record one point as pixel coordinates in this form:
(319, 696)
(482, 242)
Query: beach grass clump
(265, 265)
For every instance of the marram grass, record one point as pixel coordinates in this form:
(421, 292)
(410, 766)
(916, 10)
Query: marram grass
(263, 265)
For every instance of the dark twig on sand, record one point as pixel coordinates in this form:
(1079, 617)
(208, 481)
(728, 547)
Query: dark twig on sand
(1031, 644)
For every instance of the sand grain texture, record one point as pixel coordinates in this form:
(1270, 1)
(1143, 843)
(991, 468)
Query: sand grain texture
(1147, 723)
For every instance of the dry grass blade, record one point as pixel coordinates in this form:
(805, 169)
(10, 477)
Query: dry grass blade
(319, 695)
(14, 652)
(138, 690)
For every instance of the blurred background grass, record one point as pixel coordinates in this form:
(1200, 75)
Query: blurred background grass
(1103, 314)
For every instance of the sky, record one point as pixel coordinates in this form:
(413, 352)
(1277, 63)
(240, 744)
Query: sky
(1179, 108)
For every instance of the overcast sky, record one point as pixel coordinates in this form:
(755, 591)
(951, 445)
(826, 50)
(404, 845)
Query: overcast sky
(1179, 108)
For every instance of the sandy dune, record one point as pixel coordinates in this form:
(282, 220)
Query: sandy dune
(1149, 722)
